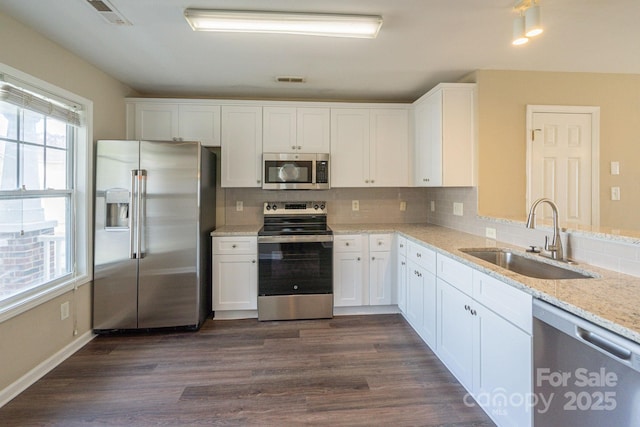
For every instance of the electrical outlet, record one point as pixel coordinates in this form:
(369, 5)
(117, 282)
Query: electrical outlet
(239, 206)
(457, 209)
(403, 206)
(615, 168)
(433, 206)
(355, 205)
(490, 232)
(64, 310)
(615, 193)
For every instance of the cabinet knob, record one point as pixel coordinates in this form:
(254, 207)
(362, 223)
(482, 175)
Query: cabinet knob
(366, 181)
(466, 307)
(346, 244)
(293, 147)
(358, 259)
(419, 255)
(403, 263)
(401, 245)
(473, 312)
(299, 147)
(373, 258)
(372, 181)
(258, 181)
(234, 246)
(379, 243)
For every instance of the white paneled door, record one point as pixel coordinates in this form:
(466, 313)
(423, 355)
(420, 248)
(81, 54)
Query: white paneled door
(560, 163)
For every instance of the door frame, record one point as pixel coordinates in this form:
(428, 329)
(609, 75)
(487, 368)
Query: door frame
(594, 111)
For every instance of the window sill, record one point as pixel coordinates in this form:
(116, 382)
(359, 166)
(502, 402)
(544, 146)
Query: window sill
(38, 298)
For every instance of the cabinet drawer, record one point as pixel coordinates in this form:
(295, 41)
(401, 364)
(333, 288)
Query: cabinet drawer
(425, 258)
(379, 242)
(347, 243)
(455, 273)
(235, 245)
(512, 304)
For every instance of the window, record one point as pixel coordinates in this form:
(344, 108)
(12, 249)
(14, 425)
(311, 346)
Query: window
(40, 140)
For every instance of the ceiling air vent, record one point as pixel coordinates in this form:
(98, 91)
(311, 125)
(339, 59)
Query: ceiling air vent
(290, 79)
(108, 12)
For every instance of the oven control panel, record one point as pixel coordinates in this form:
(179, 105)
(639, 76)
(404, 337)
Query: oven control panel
(295, 208)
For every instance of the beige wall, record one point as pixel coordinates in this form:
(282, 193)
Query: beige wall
(502, 100)
(32, 337)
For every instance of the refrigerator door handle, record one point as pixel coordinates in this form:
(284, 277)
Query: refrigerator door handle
(142, 211)
(133, 220)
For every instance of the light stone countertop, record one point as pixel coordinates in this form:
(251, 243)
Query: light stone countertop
(610, 300)
(236, 230)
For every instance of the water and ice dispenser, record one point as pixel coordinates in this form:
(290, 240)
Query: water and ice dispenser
(118, 211)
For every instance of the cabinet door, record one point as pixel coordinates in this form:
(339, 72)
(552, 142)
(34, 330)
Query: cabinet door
(156, 122)
(241, 146)
(349, 147)
(429, 313)
(279, 131)
(347, 279)
(200, 123)
(503, 368)
(401, 279)
(235, 282)
(389, 148)
(380, 288)
(313, 130)
(455, 332)
(428, 141)
(415, 296)
(457, 135)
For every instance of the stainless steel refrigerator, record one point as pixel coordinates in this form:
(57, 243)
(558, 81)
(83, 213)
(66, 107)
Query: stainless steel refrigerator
(154, 212)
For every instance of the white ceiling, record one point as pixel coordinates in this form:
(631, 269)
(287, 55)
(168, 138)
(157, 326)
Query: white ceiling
(421, 43)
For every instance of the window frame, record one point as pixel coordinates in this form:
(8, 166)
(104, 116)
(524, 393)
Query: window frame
(81, 228)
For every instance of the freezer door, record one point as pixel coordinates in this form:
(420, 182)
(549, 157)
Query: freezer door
(115, 301)
(168, 291)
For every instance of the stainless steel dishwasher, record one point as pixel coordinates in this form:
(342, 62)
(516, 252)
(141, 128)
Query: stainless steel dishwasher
(584, 375)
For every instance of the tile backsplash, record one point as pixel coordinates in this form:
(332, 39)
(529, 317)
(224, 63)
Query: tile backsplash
(376, 205)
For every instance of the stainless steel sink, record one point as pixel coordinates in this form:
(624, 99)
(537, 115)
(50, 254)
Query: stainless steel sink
(526, 266)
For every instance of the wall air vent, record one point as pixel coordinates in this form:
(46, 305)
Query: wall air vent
(290, 79)
(108, 12)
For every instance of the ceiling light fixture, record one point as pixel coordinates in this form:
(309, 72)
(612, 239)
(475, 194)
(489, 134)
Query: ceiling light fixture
(527, 24)
(333, 25)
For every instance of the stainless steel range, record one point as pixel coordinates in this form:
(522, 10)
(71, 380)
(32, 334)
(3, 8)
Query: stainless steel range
(295, 272)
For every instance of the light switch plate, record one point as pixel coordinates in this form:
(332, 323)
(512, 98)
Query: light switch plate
(615, 193)
(239, 206)
(433, 206)
(355, 205)
(490, 232)
(403, 206)
(615, 168)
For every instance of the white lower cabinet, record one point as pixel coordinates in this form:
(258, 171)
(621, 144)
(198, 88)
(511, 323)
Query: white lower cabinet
(348, 270)
(489, 354)
(421, 292)
(401, 272)
(363, 270)
(235, 273)
(380, 270)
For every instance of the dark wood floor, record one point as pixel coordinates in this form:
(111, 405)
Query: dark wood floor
(347, 371)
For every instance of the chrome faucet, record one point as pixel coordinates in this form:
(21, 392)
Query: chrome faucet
(555, 248)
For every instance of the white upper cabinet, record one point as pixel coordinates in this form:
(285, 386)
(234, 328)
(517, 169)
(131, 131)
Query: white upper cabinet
(296, 130)
(369, 147)
(163, 121)
(241, 152)
(445, 136)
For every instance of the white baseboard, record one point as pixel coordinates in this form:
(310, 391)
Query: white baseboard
(43, 368)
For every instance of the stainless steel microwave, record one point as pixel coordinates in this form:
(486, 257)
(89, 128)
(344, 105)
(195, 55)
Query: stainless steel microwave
(301, 171)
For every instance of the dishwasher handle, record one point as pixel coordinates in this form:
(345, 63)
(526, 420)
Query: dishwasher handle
(606, 345)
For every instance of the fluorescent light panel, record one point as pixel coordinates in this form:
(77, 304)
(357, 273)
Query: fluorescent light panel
(333, 25)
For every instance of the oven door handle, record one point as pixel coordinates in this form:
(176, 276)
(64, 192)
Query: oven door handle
(295, 239)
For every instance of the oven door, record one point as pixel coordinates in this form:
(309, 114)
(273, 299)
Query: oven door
(295, 265)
